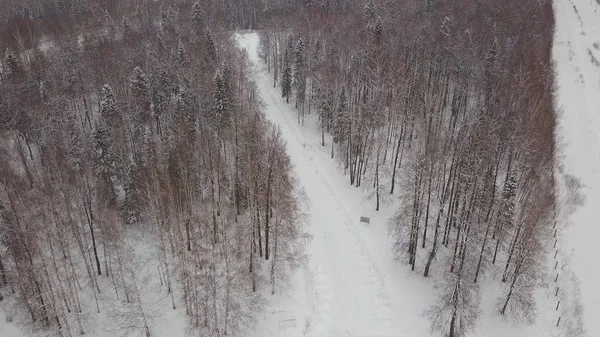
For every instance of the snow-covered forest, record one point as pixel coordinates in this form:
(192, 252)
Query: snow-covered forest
(124, 122)
(172, 168)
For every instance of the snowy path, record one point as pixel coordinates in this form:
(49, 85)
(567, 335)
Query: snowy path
(577, 57)
(351, 294)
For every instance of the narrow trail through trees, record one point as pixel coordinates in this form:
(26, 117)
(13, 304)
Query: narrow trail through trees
(358, 304)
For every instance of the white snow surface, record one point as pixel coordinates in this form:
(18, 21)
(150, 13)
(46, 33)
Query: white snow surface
(576, 56)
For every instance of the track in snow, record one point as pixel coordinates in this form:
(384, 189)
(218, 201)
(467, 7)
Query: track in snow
(350, 291)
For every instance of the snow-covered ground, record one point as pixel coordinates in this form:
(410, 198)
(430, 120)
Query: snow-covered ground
(577, 60)
(114, 314)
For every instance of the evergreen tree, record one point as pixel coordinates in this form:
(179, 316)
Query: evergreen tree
(221, 107)
(342, 119)
(167, 17)
(108, 105)
(104, 156)
(184, 116)
(210, 46)
(326, 107)
(286, 78)
(141, 106)
(164, 14)
(490, 58)
(139, 84)
(43, 91)
(132, 194)
(109, 24)
(197, 17)
(126, 28)
(105, 168)
(11, 62)
(369, 12)
(180, 52)
(376, 30)
(300, 71)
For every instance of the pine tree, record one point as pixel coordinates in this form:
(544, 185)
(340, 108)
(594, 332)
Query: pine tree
(43, 91)
(210, 46)
(139, 84)
(105, 159)
(197, 17)
(180, 53)
(164, 14)
(108, 105)
(490, 58)
(131, 203)
(109, 24)
(221, 101)
(299, 80)
(369, 12)
(286, 78)
(10, 61)
(376, 30)
(141, 106)
(126, 28)
(342, 119)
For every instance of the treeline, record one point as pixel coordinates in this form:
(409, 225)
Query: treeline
(145, 121)
(450, 106)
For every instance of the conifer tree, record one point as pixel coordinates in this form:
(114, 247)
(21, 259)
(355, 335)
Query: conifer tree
(10, 61)
(286, 78)
(108, 105)
(130, 186)
(210, 46)
(139, 84)
(377, 31)
(342, 119)
(180, 53)
(221, 101)
(369, 12)
(197, 17)
(126, 28)
(105, 161)
(299, 80)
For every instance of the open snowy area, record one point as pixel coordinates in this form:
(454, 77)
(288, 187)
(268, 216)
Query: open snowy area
(577, 60)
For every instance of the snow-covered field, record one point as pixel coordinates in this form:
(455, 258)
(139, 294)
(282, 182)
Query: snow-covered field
(577, 60)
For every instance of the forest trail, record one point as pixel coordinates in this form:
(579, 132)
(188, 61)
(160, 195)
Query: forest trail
(345, 273)
(575, 55)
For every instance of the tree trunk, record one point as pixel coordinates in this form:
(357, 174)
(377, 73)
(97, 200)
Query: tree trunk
(512, 250)
(485, 237)
(259, 231)
(452, 324)
(322, 130)
(427, 209)
(24, 163)
(90, 217)
(509, 295)
(267, 210)
(3, 278)
(377, 181)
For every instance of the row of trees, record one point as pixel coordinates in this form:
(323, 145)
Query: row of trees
(140, 120)
(450, 106)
